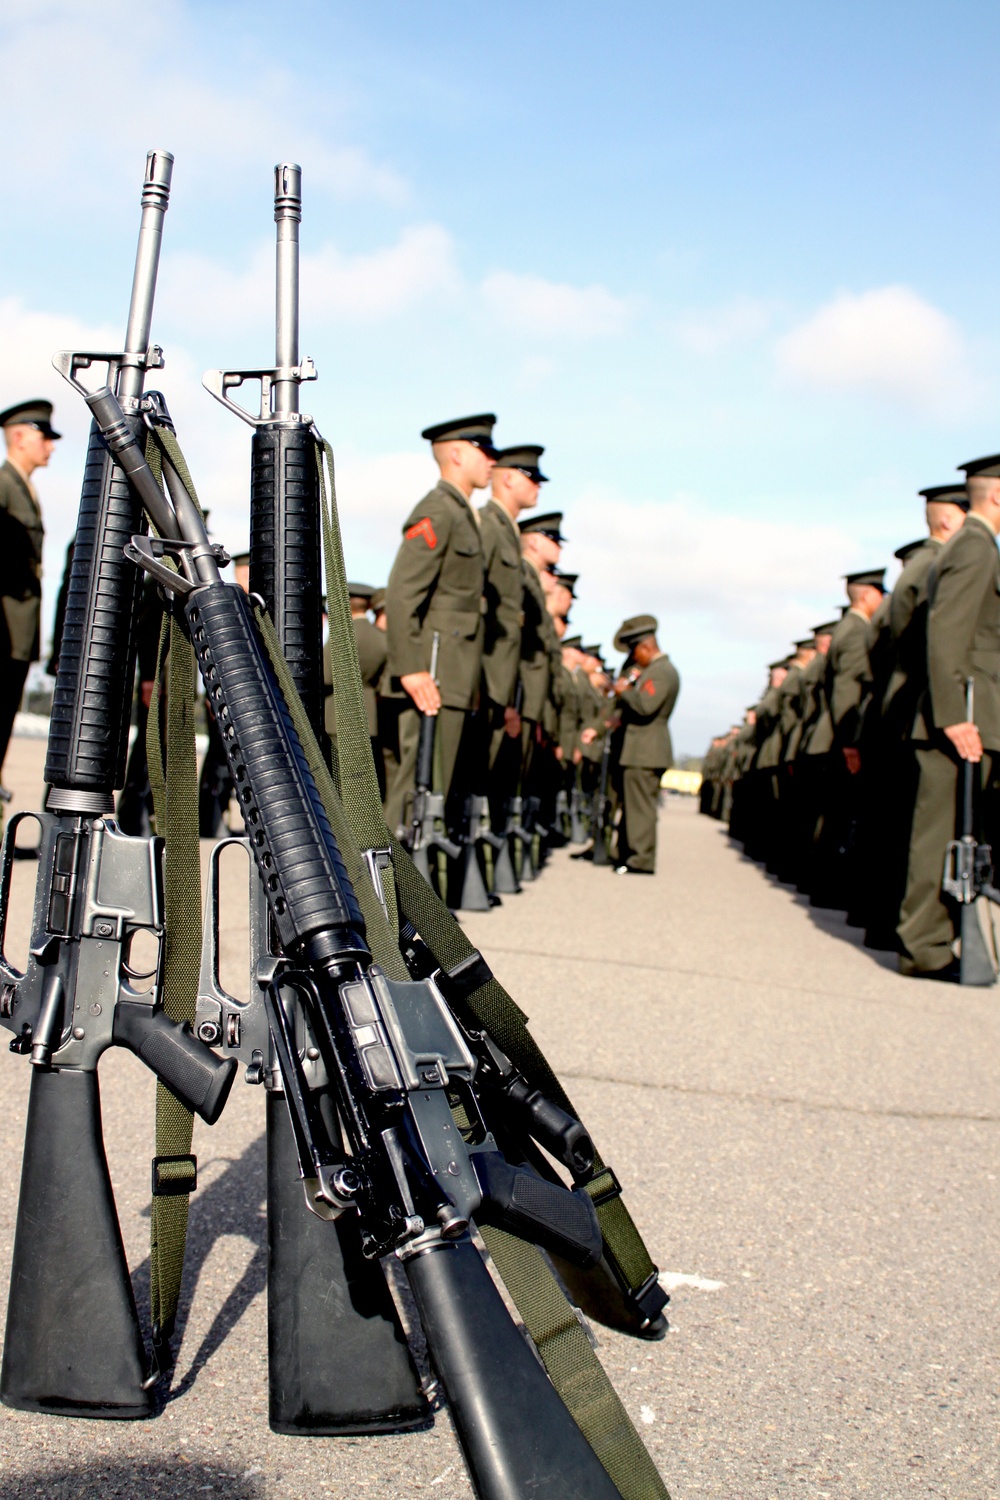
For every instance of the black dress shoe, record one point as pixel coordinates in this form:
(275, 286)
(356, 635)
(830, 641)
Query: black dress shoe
(950, 974)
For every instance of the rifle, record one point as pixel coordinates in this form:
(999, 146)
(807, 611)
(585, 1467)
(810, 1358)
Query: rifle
(968, 874)
(578, 809)
(427, 827)
(73, 1343)
(602, 805)
(323, 1296)
(390, 1045)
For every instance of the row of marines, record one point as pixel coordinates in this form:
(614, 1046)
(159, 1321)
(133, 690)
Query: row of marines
(844, 778)
(537, 742)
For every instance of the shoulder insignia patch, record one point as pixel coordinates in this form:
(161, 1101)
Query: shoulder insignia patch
(423, 528)
(650, 688)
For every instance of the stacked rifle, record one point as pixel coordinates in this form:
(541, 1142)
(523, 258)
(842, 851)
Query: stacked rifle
(407, 1108)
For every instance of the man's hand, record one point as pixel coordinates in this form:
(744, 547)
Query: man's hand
(577, 756)
(558, 752)
(967, 741)
(621, 684)
(588, 735)
(146, 693)
(511, 723)
(852, 759)
(423, 690)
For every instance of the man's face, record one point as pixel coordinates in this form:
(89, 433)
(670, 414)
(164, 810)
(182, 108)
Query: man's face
(543, 549)
(516, 486)
(560, 600)
(241, 572)
(823, 644)
(477, 465)
(28, 446)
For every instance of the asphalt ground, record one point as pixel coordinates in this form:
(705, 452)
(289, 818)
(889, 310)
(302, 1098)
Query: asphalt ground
(808, 1141)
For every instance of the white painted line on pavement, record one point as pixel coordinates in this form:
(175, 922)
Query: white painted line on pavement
(672, 1280)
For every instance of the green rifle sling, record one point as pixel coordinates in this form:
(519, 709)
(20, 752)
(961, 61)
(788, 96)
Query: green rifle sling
(173, 777)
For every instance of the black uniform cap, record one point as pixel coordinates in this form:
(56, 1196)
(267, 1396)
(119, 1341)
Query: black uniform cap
(525, 457)
(549, 525)
(988, 468)
(568, 580)
(360, 590)
(801, 645)
(782, 663)
(240, 559)
(953, 494)
(873, 576)
(576, 641)
(378, 600)
(30, 414)
(477, 430)
(827, 628)
(594, 650)
(908, 547)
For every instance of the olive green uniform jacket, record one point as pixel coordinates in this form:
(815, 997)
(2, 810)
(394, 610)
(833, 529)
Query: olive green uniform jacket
(646, 707)
(21, 537)
(539, 647)
(768, 730)
(594, 713)
(790, 705)
(963, 630)
(436, 585)
(817, 725)
(504, 592)
(903, 708)
(371, 644)
(848, 677)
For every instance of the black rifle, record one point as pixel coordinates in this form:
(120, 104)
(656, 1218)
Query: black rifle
(602, 806)
(391, 1047)
(73, 1343)
(968, 874)
(426, 825)
(323, 1297)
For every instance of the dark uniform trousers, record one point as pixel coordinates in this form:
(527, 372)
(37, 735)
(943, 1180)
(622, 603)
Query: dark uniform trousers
(927, 926)
(637, 829)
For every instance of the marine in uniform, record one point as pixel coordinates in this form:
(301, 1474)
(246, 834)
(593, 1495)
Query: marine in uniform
(541, 658)
(646, 699)
(371, 644)
(848, 684)
(30, 437)
(902, 722)
(436, 588)
(963, 642)
(514, 488)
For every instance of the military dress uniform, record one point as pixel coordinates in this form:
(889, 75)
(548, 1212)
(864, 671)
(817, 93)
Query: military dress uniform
(963, 641)
(436, 587)
(21, 537)
(646, 705)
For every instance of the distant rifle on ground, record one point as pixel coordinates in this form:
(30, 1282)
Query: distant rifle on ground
(599, 818)
(427, 826)
(73, 1342)
(968, 874)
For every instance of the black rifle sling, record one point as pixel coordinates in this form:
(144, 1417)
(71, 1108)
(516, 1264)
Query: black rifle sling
(565, 1349)
(173, 778)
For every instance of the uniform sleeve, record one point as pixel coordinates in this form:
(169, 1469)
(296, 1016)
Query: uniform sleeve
(414, 574)
(648, 693)
(964, 579)
(851, 672)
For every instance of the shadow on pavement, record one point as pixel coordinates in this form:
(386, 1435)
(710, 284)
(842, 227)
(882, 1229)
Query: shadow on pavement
(231, 1205)
(132, 1481)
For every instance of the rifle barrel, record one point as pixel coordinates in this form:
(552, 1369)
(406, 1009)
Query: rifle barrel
(155, 197)
(287, 217)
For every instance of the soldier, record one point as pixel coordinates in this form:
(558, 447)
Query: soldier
(894, 786)
(848, 685)
(646, 698)
(29, 437)
(541, 657)
(759, 841)
(436, 587)
(515, 485)
(963, 641)
(812, 759)
(791, 702)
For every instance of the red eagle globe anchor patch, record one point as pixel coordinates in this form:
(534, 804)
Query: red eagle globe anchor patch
(423, 528)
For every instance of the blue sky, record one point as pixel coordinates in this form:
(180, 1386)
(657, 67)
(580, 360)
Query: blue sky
(734, 265)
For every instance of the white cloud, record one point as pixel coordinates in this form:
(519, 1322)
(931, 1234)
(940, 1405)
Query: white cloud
(740, 577)
(708, 331)
(889, 342)
(542, 307)
(367, 287)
